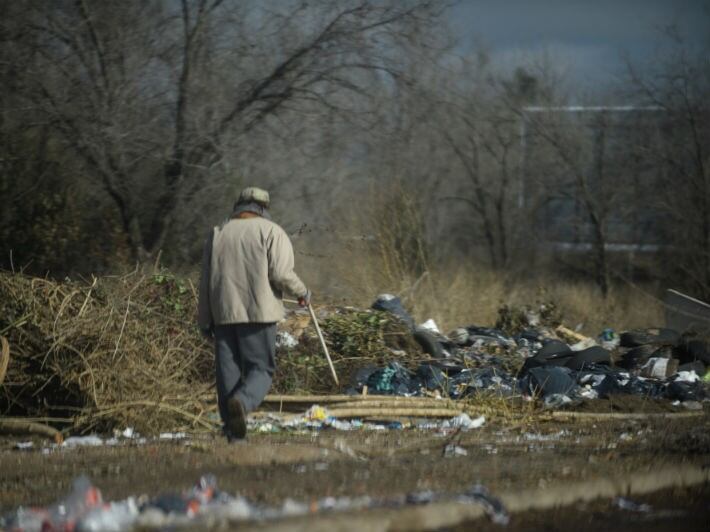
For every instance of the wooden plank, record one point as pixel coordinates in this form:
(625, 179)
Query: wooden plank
(340, 398)
(365, 412)
(601, 416)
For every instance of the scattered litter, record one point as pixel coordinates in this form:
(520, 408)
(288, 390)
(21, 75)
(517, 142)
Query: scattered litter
(172, 436)
(266, 427)
(111, 517)
(493, 506)
(686, 376)
(92, 440)
(557, 400)
(452, 450)
(285, 340)
(83, 441)
(431, 326)
(316, 413)
(66, 514)
(626, 504)
(490, 449)
(319, 418)
(555, 436)
(464, 422)
(659, 367)
(204, 505)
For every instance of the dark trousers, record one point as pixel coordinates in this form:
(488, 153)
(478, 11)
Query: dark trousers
(245, 360)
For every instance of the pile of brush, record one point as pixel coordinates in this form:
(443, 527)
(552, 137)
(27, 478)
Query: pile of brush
(105, 354)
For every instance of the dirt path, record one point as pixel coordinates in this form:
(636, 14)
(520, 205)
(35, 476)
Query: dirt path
(270, 468)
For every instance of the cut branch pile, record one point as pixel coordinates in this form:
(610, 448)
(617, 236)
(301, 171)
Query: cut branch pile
(113, 353)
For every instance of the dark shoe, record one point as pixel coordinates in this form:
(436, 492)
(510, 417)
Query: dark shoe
(237, 423)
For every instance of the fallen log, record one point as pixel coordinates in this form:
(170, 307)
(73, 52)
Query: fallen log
(20, 427)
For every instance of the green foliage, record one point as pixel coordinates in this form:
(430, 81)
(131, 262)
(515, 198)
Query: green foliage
(172, 293)
(358, 333)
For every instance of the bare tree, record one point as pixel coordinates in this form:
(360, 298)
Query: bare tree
(587, 179)
(483, 131)
(154, 100)
(678, 84)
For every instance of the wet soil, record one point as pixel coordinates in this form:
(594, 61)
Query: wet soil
(686, 509)
(272, 467)
(624, 403)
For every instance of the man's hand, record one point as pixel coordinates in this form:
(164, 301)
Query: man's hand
(305, 299)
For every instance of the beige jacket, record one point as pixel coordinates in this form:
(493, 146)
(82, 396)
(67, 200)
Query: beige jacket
(247, 264)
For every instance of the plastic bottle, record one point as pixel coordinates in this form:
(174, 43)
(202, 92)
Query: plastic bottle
(65, 514)
(111, 517)
(25, 519)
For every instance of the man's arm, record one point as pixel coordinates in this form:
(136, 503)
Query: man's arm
(204, 313)
(281, 264)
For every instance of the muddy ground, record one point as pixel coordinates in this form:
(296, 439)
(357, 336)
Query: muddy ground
(686, 509)
(272, 467)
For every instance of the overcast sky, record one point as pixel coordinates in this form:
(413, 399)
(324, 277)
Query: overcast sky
(585, 37)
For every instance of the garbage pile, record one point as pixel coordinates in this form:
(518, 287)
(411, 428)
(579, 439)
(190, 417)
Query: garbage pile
(532, 358)
(205, 506)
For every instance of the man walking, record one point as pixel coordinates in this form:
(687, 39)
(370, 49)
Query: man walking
(247, 265)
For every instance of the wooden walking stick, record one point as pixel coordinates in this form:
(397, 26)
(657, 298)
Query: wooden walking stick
(322, 343)
(4, 357)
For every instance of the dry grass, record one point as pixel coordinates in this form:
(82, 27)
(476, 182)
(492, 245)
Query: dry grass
(460, 295)
(461, 291)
